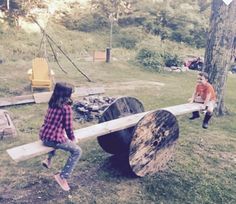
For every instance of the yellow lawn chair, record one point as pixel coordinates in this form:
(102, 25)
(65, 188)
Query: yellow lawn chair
(40, 75)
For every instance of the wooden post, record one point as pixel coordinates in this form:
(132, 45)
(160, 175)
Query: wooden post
(108, 55)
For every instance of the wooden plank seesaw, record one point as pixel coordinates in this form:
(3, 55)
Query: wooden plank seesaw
(146, 138)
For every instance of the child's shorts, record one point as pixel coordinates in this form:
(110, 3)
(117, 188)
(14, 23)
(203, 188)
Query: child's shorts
(211, 104)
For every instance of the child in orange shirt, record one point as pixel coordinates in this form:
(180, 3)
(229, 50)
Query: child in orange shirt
(204, 93)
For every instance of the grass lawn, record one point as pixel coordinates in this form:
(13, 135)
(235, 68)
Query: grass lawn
(203, 169)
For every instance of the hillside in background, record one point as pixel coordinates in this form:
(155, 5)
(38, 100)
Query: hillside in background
(181, 21)
(176, 27)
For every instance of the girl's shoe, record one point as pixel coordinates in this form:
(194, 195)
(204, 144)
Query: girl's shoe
(46, 163)
(62, 182)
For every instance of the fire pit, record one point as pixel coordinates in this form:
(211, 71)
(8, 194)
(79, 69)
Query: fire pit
(90, 108)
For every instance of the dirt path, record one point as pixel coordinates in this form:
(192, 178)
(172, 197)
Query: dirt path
(131, 85)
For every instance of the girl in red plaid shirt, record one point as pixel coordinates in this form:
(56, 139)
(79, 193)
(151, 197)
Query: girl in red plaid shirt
(57, 132)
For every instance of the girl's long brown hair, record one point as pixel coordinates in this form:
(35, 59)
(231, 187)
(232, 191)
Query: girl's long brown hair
(61, 95)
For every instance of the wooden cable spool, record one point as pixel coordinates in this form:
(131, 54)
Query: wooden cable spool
(118, 142)
(149, 145)
(153, 142)
(149, 136)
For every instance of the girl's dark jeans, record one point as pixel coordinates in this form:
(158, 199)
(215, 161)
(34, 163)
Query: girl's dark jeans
(75, 154)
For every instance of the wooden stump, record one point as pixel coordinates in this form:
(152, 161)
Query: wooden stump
(153, 142)
(118, 142)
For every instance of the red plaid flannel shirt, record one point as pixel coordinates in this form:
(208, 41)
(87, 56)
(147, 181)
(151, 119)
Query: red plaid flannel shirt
(57, 122)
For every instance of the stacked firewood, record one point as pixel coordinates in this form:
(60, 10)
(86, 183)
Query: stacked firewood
(91, 107)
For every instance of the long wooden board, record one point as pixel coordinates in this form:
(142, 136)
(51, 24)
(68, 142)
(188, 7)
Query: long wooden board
(16, 100)
(44, 97)
(31, 150)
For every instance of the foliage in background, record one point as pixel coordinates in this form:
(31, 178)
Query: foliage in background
(180, 21)
(87, 22)
(99, 16)
(21, 7)
(149, 59)
(112, 9)
(128, 37)
(152, 59)
(172, 60)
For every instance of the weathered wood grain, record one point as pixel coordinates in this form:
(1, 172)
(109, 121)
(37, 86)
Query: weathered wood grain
(153, 142)
(118, 142)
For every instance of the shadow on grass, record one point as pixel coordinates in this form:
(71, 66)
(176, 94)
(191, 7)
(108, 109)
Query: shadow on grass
(112, 168)
(118, 166)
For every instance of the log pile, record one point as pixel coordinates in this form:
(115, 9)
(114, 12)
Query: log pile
(90, 108)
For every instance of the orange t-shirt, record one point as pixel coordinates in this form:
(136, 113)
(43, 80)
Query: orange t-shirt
(203, 90)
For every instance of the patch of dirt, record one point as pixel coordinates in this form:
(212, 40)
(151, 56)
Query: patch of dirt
(90, 182)
(228, 156)
(131, 85)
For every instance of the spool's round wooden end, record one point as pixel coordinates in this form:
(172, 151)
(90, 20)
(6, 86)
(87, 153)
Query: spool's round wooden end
(153, 142)
(118, 142)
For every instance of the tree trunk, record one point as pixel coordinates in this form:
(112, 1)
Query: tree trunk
(220, 48)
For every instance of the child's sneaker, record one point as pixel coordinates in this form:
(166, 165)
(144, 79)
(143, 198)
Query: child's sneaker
(62, 182)
(46, 163)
